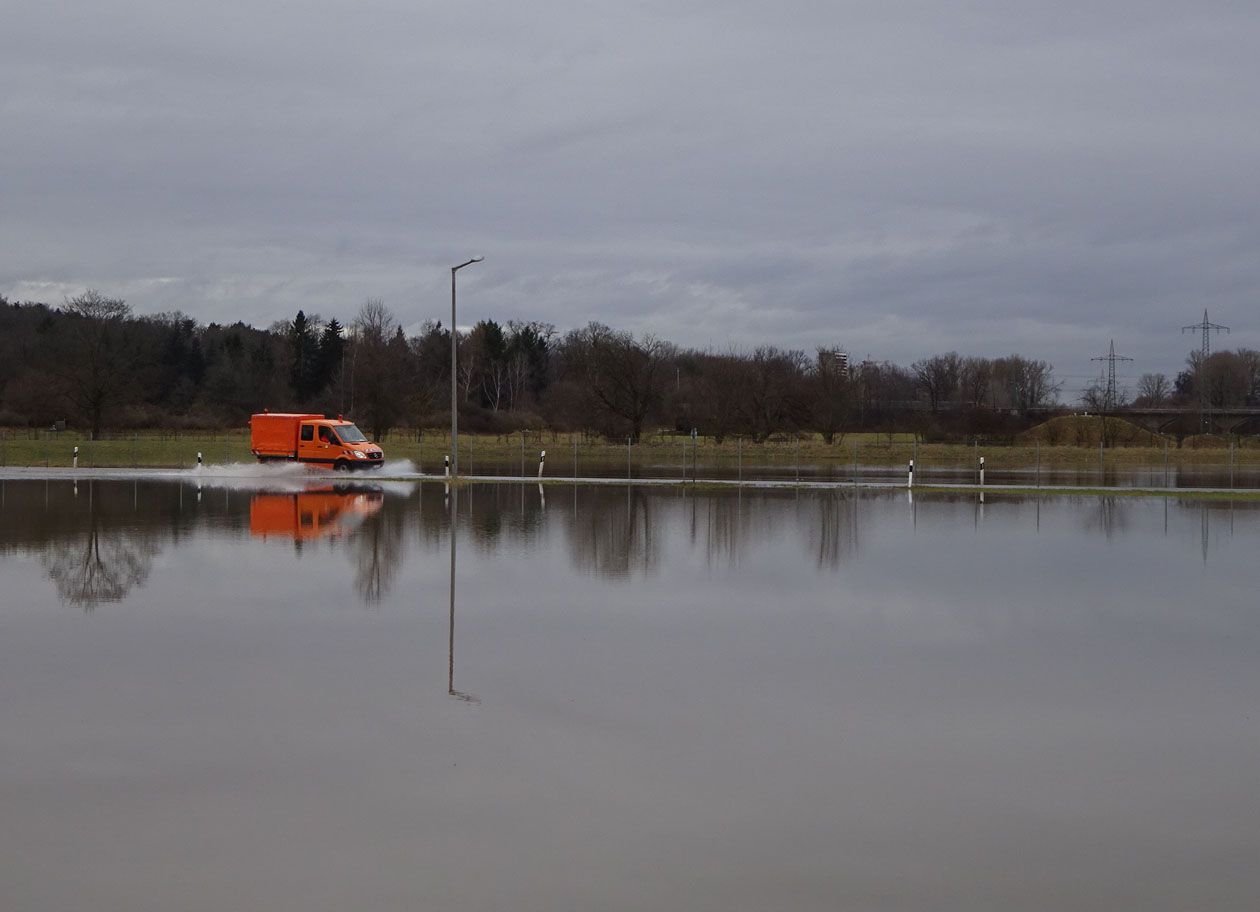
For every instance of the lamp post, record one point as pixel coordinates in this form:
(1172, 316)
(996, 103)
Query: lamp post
(454, 385)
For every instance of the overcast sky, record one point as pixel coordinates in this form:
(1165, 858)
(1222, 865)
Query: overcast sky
(898, 178)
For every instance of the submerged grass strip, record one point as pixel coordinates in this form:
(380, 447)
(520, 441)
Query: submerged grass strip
(712, 486)
(661, 452)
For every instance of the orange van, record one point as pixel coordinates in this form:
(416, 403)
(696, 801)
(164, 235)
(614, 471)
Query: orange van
(332, 442)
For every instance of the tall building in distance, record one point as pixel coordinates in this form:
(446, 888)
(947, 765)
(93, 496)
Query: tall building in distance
(835, 358)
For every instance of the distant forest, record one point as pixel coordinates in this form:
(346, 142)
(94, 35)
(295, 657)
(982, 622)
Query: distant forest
(95, 365)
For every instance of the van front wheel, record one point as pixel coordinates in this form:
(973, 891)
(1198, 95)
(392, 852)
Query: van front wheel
(341, 465)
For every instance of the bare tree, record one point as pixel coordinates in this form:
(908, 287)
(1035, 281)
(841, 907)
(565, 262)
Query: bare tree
(516, 379)
(95, 362)
(623, 375)
(1250, 362)
(1094, 397)
(717, 390)
(1153, 390)
(774, 396)
(1023, 384)
(830, 394)
(938, 377)
(975, 380)
(384, 382)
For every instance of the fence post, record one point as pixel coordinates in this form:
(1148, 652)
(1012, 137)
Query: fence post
(627, 459)
(739, 459)
(1231, 464)
(1166, 478)
(1037, 476)
(575, 459)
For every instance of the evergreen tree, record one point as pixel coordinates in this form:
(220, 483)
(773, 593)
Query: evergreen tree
(304, 351)
(332, 348)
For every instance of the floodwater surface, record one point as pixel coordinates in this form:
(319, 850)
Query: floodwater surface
(314, 697)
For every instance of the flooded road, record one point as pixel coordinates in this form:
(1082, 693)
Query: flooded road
(312, 697)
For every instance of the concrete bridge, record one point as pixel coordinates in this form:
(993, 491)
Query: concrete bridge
(1181, 421)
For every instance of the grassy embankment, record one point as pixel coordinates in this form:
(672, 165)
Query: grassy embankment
(1064, 443)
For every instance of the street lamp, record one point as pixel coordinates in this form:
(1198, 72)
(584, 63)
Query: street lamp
(454, 397)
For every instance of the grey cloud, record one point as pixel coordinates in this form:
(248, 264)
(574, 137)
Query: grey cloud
(898, 178)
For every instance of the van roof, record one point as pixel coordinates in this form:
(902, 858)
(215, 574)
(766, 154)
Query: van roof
(303, 416)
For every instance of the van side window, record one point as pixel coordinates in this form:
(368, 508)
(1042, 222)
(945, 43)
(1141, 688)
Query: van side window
(308, 432)
(326, 435)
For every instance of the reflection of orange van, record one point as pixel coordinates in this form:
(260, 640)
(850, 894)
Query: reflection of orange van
(331, 442)
(310, 514)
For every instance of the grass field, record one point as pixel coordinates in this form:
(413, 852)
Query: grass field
(663, 453)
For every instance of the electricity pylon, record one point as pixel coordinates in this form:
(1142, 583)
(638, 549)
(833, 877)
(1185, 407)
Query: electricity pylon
(1109, 398)
(1207, 327)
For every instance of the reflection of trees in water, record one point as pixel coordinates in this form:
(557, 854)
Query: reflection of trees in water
(494, 513)
(379, 544)
(99, 546)
(726, 527)
(489, 514)
(614, 535)
(726, 524)
(100, 563)
(1109, 516)
(833, 530)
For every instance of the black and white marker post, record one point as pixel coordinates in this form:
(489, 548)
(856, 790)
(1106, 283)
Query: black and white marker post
(542, 459)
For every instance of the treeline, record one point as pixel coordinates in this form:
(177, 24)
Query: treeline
(93, 363)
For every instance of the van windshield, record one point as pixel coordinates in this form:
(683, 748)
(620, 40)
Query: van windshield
(350, 434)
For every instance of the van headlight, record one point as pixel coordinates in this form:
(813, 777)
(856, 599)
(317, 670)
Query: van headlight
(358, 454)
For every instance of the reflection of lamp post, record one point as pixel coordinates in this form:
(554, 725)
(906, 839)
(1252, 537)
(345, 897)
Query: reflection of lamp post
(450, 665)
(454, 399)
